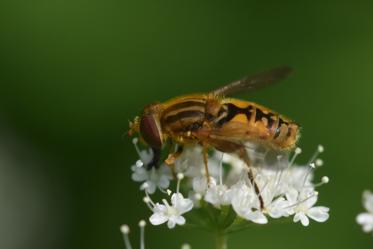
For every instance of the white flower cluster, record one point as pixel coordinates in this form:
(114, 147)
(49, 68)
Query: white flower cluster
(286, 189)
(366, 219)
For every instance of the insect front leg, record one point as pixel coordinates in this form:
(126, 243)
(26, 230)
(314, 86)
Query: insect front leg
(171, 158)
(155, 160)
(242, 153)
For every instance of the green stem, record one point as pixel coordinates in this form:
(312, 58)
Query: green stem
(220, 240)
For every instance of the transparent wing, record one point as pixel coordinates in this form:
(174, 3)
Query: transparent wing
(254, 82)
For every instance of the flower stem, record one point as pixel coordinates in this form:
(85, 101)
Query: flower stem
(220, 240)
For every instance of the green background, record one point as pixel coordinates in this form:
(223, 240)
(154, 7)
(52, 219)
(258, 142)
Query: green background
(73, 72)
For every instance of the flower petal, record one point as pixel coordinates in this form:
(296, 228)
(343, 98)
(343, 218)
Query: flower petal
(200, 184)
(242, 200)
(139, 174)
(185, 206)
(171, 224)
(297, 217)
(150, 187)
(368, 228)
(319, 214)
(180, 220)
(311, 200)
(163, 182)
(304, 220)
(278, 208)
(257, 217)
(364, 218)
(292, 196)
(175, 198)
(181, 204)
(368, 200)
(158, 218)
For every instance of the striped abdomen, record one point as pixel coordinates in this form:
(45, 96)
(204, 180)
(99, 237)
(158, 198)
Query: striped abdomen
(258, 124)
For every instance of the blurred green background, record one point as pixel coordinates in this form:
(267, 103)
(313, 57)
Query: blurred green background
(73, 72)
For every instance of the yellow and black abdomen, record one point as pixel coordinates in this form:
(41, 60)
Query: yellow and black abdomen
(257, 123)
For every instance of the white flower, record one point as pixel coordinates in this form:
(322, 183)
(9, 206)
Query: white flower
(234, 161)
(237, 168)
(284, 189)
(196, 198)
(200, 184)
(366, 219)
(274, 200)
(245, 204)
(191, 163)
(277, 208)
(305, 209)
(298, 177)
(171, 214)
(152, 178)
(146, 156)
(218, 195)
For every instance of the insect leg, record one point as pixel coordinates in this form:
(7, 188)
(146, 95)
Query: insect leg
(243, 155)
(170, 161)
(155, 160)
(206, 161)
(223, 144)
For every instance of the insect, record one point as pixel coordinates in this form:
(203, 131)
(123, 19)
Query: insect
(214, 120)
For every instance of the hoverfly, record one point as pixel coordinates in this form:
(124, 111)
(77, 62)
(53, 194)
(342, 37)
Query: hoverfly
(215, 120)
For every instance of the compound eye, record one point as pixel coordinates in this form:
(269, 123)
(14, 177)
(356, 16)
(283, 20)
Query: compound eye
(150, 131)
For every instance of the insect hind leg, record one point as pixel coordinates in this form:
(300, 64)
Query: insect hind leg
(243, 155)
(228, 147)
